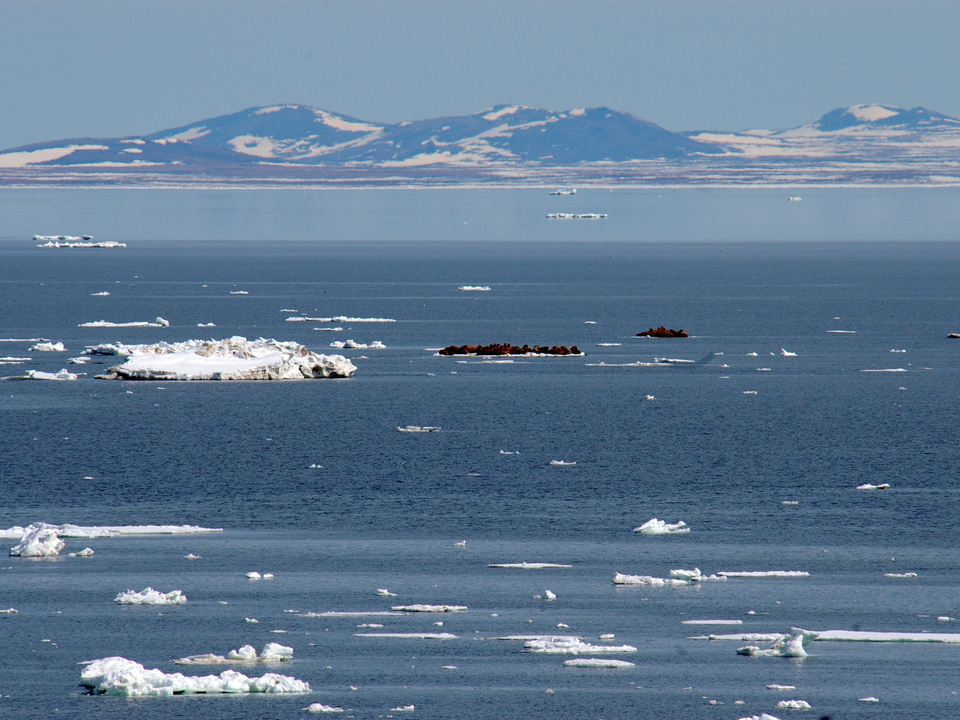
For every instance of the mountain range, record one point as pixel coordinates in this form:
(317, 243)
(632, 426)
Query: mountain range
(507, 143)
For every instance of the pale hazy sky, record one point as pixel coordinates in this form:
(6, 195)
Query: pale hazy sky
(105, 68)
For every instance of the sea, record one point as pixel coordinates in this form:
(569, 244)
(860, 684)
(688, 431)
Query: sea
(805, 434)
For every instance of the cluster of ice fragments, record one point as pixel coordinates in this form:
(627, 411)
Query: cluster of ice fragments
(234, 358)
(570, 645)
(272, 653)
(677, 577)
(125, 678)
(149, 596)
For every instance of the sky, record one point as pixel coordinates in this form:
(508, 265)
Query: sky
(109, 68)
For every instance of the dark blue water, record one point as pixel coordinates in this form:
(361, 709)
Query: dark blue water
(387, 508)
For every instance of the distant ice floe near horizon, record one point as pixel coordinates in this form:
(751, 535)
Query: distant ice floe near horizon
(474, 288)
(348, 613)
(354, 345)
(561, 463)
(900, 575)
(597, 663)
(125, 678)
(46, 347)
(345, 319)
(787, 353)
(711, 622)
(100, 294)
(659, 527)
(234, 358)
(868, 486)
(74, 241)
(105, 531)
(149, 596)
(411, 636)
(576, 216)
(419, 608)
(63, 374)
(272, 653)
(9, 611)
(528, 565)
(159, 322)
(793, 705)
(419, 428)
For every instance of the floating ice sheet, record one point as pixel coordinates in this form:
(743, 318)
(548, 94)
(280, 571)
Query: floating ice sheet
(415, 636)
(149, 596)
(429, 608)
(159, 322)
(418, 428)
(474, 288)
(648, 580)
(793, 705)
(235, 358)
(597, 663)
(46, 347)
(571, 645)
(659, 527)
(345, 319)
(272, 653)
(63, 375)
(786, 646)
(106, 531)
(528, 565)
(348, 613)
(711, 622)
(125, 678)
(321, 708)
(858, 636)
(765, 574)
(561, 463)
(354, 345)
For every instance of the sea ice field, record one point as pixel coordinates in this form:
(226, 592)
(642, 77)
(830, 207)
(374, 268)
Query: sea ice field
(758, 520)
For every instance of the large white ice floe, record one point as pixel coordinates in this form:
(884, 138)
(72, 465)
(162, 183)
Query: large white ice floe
(159, 322)
(354, 345)
(106, 531)
(571, 645)
(39, 540)
(659, 527)
(862, 636)
(125, 678)
(429, 608)
(787, 646)
(235, 358)
(528, 565)
(597, 663)
(47, 347)
(765, 574)
(149, 596)
(62, 375)
(272, 653)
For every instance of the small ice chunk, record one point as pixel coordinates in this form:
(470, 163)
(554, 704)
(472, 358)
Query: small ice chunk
(868, 486)
(789, 646)
(149, 596)
(659, 527)
(474, 288)
(383, 592)
(648, 580)
(321, 708)
(528, 565)
(252, 621)
(597, 663)
(711, 622)
(47, 347)
(607, 636)
(9, 611)
(870, 699)
(549, 595)
(418, 429)
(570, 645)
(403, 708)
(254, 575)
(86, 552)
(414, 636)
(191, 556)
(787, 353)
(766, 574)
(781, 687)
(561, 463)
(793, 705)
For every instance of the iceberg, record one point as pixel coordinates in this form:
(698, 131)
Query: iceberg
(561, 463)
(868, 486)
(149, 596)
(272, 652)
(659, 527)
(235, 358)
(86, 552)
(354, 345)
(47, 347)
(404, 708)
(39, 540)
(125, 678)
(597, 663)
(430, 608)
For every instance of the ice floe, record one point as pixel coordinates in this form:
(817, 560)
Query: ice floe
(149, 596)
(659, 527)
(429, 608)
(474, 288)
(235, 358)
(159, 322)
(321, 708)
(272, 653)
(86, 552)
(254, 575)
(711, 622)
(781, 687)
(597, 663)
(787, 646)
(900, 575)
(9, 611)
(414, 636)
(239, 292)
(765, 574)
(39, 540)
(418, 428)
(528, 565)
(354, 345)
(570, 645)
(870, 699)
(347, 613)
(861, 636)
(648, 580)
(608, 344)
(63, 375)
(383, 592)
(345, 319)
(576, 216)
(404, 708)
(47, 347)
(793, 705)
(787, 353)
(868, 486)
(884, 370)
(125, 678)
(561, 463)
(106, 531)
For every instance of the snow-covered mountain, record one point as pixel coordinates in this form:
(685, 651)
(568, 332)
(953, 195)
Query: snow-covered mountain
(300, 135)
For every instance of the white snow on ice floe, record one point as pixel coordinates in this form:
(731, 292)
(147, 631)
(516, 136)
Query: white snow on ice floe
(414, 636)
(47, 347)
(149, 596)
(766, 574)
(868, 486)
(404, 708)
(321, 708)
(38, 540)
(858, 636)
(354, 345)
(528, 565)
(659, 527)
(474, 288)
(125, 678)
(272, 653)
(430, 608)
(159, 322)
(695, 575)
(788, 646)
(763, 716)
(597, 663)
(235, 358)
(787, 353)
(571, 645)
